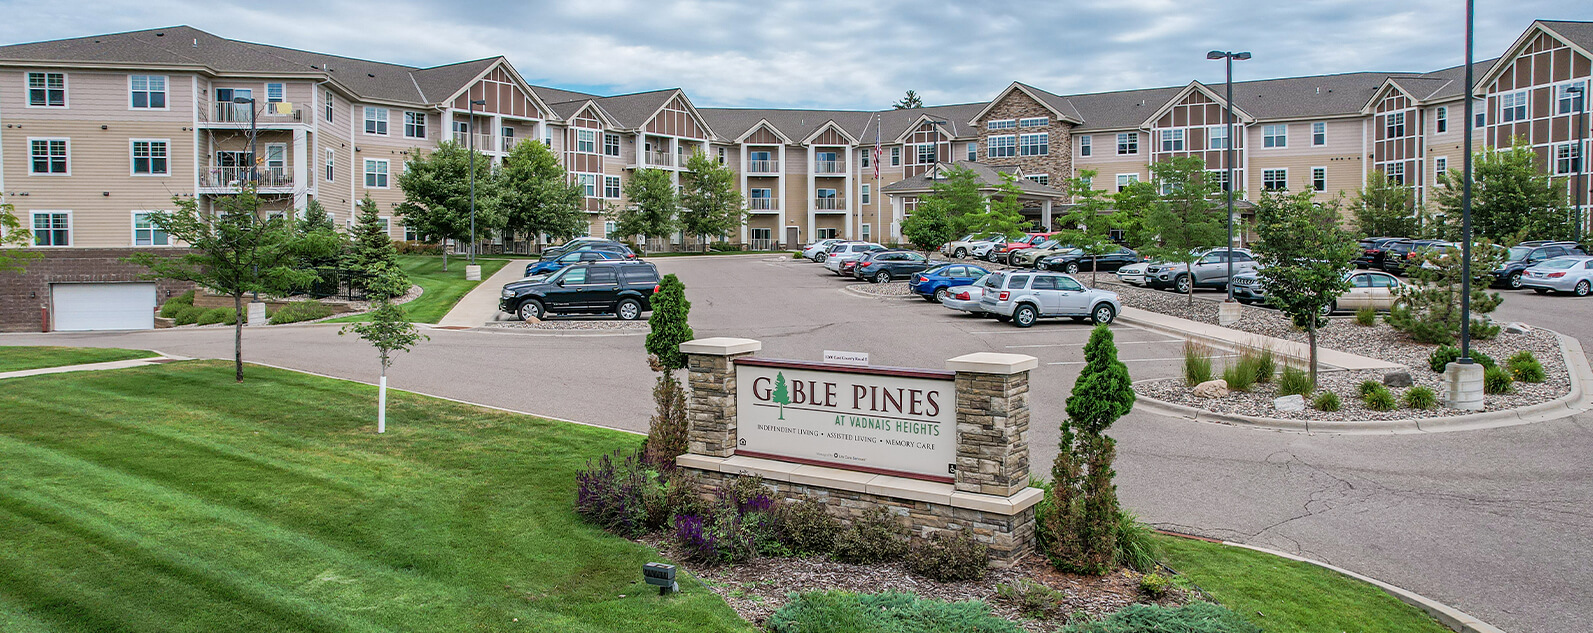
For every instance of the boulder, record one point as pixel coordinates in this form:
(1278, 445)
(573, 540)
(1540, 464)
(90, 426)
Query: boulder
(1295, 402)
(1212, 389)
(1517, 327)
(1399, 378)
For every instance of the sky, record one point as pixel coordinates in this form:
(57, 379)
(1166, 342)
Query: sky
(841, 54)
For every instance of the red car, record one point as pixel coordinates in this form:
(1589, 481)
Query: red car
(1004, 252)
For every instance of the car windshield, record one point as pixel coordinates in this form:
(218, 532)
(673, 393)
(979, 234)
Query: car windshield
(1560, 263)
(1518, 253)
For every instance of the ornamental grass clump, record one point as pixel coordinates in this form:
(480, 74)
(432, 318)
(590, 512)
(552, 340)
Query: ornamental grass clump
(1265, 365)
(1525, 367)
(1368, 387)
(1379, 398)
(1326, 401)
(1197, 363)
(1447, 354)
(1496, 380)
(949, 557)
(1294, 381)
(1420, 397)
(1366, 317)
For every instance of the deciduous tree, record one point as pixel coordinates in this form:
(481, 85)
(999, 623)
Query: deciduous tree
(710, 203)
(1002, 212)
(537, 196)
(654, 207)
(12, 237)
(1088, 224)
(388, 330)
(437, 196)
(1511, 196)
(1181, 219)
(1306, 259)
(1386, 208)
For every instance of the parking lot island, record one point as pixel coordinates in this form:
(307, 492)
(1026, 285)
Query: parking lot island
(943, 450)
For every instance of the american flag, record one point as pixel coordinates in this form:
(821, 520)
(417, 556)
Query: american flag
(876, 146)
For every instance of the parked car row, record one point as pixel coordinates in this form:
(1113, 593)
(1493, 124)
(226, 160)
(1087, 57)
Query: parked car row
(1394, 255)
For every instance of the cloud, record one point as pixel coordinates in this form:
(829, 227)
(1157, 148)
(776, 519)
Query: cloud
(838, 53)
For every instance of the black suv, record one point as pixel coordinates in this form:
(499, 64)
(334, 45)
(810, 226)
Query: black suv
(1396, 253)
(1071, 262)
(1528, 254)
(620, 288)
(1373, 250)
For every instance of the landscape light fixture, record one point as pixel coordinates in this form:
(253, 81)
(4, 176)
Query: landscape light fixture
(470, 129)
(1227, 108)
(661, 576)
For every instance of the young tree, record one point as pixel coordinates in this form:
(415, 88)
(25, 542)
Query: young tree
(909, 101)
(653, 205)
(666, 435)
(1084, 514)
(1090, 221)
(537, 196)
(1510, 196)
(1003, 211)
(1429, 311)
(234, 252)
(928, 227)
(372, 250)
(1306, 259)
(710, 203)
(389, 330)
(1386, 208)
(437, 195)
(13, 236)
(1182, 219)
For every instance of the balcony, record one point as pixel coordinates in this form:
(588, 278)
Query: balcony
(483, 141)
(268, 115)
(763, 167)
(763, 204)
(829, 167)
(234, 177)
(657, 159)
(829, 204)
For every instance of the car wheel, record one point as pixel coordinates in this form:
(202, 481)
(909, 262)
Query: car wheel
(942, 295)
(1073, 268)
(1582, 288)
(1103, 313)
(1003, 318)
(1330, 308)
(1024, 316)
(961, 253)
(882, 277)
(819, 259)
(1182, 284)
(628, 310)
(1541, 291)
(1514, 281)
(531, 309)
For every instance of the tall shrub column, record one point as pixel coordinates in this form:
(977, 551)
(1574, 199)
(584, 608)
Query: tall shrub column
(1084, 518)
(711, 409)
(666, 432)
(992, 422)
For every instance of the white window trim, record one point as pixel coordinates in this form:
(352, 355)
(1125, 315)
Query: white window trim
(1440, 160)
(866, 194)
(1314, 125)
(1265, 136)
(1525, 105)
(1214, 131)
(1554, 158)
(1124, 180)
(1441, 116)
(1131, 136)
(329, 168)
(365, 120)
(1285, 171)
(68, 140)
(130, 158)
(71, 233)
(619, 187)
(1035, 178)
(597, 183)
(367, 173)
(1043, 121)
(991, 145)
(1313, 179)
(66, 91)
(425, 124)
(1001, 124)
(329, 107)
(166, 91)
(133, 239)
(1043, 147)
(1086, 142)
(596, 148)
(268, 91)
(1175, 135)
(618, 148)
(1558, 96)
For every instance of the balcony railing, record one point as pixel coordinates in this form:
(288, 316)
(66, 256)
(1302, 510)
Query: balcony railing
(829, 204)
(763, 204)
(763, 167)
(239, 113)
(239, 176)
(658, 159)
(829, 167)
(483, 141)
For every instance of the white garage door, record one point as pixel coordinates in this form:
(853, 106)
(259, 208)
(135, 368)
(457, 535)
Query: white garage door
(79, 307)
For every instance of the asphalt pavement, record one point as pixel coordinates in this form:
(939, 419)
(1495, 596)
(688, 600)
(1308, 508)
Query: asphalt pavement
(1496, 523)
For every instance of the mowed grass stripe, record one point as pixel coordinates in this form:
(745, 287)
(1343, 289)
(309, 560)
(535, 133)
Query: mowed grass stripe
(168, 498)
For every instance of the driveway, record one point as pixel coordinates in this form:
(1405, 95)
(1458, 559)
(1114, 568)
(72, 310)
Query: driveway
(1495, 522)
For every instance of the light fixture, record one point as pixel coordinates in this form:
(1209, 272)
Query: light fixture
(105, 127)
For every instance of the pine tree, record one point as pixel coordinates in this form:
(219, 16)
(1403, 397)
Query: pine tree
(668, 323)
(1084, 505)
(666, 431)
(372, 251)
(780, 396)
(909, 101)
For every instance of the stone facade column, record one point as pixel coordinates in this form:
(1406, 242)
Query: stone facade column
(992, 422)
(711, 405)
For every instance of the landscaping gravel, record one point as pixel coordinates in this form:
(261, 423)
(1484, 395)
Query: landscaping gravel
(892, 289)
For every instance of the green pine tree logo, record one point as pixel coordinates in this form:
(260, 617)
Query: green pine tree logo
(780, 396)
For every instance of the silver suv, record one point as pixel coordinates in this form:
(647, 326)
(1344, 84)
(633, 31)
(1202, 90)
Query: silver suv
(1210, 271)
(1024, 297)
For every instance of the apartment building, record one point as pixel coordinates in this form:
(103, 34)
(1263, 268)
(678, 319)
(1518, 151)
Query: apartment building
(97, 131)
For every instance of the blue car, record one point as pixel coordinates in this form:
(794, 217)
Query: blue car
(558, 263)
(932, 284)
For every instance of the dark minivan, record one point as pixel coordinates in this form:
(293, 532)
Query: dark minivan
(621, 288)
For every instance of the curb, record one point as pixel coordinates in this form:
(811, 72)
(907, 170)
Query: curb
(1218, 343)
(1578, 400)
(1451, 617)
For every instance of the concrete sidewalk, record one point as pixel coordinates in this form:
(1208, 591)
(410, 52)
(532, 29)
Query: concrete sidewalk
(115, 364)
(1231, 339)
(480, 305)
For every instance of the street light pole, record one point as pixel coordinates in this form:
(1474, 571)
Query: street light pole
(1228, 57)
(254, 165)
(471, 130)
(1465, 203)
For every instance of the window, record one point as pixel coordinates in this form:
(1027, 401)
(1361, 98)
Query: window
(1219, 177)
(276, 93)
(868, 232)
(866, 156)
(611, 187)
(276, 159)
(1172, 140)
(867, 194)
(1480, 116)
(331, 158)
(1063, 283)
(149, 158)
(927, 153)
(1034, 122)
(1084, 145)
(1274, 136)
(1442, 118)
(1217, 137)
(1394, 125)
(1003, 146)
(721, 155)
(1318, 179)
(1088, 181)
(415, 124)
(376, 121)
(49, 156)
(611, 145)
(827, 194)
(46, 90)
(1319, 133)
(1034, 144)
(1567, 158)
(586, 141)
(1440, 166)
(1395, 173)
(763, 199)
(1044, 179)
(1124, 180)
(1128, 143)
(896, 156)
(609, 228)
(52, 228)
(1274, 179)
(328, 107)
(1513, 106)
(1043, 282)
(375, 173)
(1001, 124)
(506, 139)
(973, 153)
(147, 91)
(1568, 101)
(589, 183)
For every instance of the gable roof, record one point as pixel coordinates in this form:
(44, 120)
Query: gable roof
(794, 125)
(1578, 35)
(438, 83)
(1058, 105)
(1240, 116)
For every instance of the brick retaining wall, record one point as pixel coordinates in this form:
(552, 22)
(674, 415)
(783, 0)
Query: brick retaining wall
(23, 295)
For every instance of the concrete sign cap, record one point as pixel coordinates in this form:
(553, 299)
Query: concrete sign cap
(993, 363)
(720, 346)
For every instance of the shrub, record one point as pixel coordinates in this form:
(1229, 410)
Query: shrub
(1326, 401)
(666, 431)
(874, 537)
(1496, 380)
(807, 526)
(1155, 585)
(681, 496)
(612, 494)
(1379, 399)
(889, 612)
(218, 315)
(949, 557)
(177, 304)
(1525, 367)
(1483, 330)
(796, 255)
(1240, 376)
(1366, 317)
(1195, 617)
(188, 315)
(1420, 397)
(1032, 599)
(1448, 354)
(418, 248)
(724, 536)
(1197, 363)
(1295, 381)
(296, 311)
(1136, 548)
(1368, 387)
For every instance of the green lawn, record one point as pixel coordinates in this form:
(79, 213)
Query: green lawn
(443, 289)
(1285, 596)
(21, 358)
(168, 498)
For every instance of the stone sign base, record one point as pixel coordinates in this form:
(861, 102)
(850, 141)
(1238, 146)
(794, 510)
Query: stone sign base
(1005, 523)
